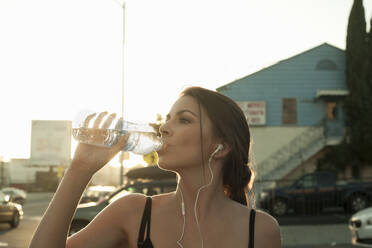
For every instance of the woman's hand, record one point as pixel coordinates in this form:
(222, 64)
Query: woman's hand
(88, 159)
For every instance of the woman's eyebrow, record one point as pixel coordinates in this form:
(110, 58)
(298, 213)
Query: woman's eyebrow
(183, 111)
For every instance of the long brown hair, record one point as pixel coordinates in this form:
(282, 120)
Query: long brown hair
(229, 124)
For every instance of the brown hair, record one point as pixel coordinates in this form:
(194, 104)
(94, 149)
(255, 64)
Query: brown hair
(229, 124)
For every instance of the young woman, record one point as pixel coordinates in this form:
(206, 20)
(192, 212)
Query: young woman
(206, 141)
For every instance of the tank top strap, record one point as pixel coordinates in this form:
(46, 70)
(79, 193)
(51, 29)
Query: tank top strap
(145, 222)
(251, 228)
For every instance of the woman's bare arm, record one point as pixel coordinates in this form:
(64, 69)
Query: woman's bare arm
(53, 228)
(113, 226)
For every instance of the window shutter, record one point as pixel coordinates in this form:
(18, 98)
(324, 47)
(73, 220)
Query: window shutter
(289, 111)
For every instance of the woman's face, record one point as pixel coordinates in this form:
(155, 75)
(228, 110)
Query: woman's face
(181, 136)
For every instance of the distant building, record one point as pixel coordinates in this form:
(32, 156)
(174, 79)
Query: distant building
(294, 108)
(50, 157)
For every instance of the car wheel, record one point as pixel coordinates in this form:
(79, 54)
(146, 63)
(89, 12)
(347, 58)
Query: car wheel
(15, 220)
(77, 226)
(357, 203)
(279, 207)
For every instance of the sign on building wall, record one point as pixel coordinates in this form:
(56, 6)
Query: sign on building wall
(255, 112)
(50, 142)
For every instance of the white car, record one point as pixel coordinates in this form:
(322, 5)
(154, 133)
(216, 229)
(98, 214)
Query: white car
(360, 225)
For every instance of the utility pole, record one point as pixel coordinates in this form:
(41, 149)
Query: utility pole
(121, 157)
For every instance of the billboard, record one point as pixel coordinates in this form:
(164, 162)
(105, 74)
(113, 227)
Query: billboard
(50, 142)
(255, 112)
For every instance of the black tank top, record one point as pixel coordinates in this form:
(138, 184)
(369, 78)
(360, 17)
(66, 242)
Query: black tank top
(146, 221)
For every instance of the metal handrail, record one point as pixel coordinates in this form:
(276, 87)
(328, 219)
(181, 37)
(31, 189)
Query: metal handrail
(293, 149)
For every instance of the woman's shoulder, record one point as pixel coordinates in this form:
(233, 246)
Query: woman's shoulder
(267, 231)
(130, 204)
(129, 209)
(133, 198)
(133, 204)
(266, 227)
(261, 216)
(266, 218)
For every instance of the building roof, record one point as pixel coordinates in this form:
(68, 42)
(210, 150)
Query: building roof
(279, 62)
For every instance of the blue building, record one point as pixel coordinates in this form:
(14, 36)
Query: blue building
(294, 108)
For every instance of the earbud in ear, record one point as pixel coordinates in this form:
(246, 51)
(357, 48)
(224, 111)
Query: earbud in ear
(219, 147)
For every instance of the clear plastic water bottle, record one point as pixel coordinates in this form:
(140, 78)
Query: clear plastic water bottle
(142, 137)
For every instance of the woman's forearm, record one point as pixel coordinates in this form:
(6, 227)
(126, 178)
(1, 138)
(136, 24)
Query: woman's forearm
(53, 228)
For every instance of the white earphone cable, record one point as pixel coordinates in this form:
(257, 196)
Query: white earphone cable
(184, 220)
(196, 201)
(202, 187)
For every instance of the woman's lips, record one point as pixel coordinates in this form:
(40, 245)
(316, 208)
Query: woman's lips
(163, 147)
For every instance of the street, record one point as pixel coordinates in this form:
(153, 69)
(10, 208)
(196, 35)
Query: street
(37, 203)
(20, 237)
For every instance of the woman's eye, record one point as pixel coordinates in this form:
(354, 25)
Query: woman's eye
(183, 120)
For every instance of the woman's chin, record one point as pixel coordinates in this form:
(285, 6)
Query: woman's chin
(164, 165)
(161, 164)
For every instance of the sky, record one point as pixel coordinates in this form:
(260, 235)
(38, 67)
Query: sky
(58, 58)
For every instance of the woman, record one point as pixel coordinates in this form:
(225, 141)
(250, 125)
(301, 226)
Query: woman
(206, 141)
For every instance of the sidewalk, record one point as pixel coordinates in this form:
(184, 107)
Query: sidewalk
(315, 235)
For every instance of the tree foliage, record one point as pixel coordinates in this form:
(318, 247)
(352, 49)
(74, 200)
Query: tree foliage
(358, 104)
(355, 150)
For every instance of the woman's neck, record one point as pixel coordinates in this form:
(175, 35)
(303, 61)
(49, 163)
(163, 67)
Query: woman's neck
(207, 198)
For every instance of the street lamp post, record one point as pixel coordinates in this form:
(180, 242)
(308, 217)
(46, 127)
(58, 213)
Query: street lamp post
(121, 157)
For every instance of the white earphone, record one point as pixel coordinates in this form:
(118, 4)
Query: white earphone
(219, 148)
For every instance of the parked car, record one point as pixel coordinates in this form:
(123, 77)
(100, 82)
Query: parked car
(316, 191)
(10, 212)
(16, 195)
(360, 225)
(96, 193)
(87, 211)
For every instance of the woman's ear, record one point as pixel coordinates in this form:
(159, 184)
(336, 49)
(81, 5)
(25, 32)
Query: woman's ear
(223, 151)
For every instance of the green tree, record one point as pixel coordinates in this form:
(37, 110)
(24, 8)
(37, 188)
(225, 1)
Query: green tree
(355, 150)
(355, 47)
(357, 104)
(369, 58)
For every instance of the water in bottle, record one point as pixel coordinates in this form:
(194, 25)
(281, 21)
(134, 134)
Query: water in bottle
(142, 137)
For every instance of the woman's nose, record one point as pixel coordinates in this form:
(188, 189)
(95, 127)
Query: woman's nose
(164, 130)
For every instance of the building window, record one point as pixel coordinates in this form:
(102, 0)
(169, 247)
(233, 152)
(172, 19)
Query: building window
(331, 110)
(289, 111)
(326, 65)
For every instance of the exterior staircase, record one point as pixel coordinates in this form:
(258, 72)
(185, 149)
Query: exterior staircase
(288, 157)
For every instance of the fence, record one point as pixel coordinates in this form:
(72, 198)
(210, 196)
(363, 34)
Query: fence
(306, 197)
